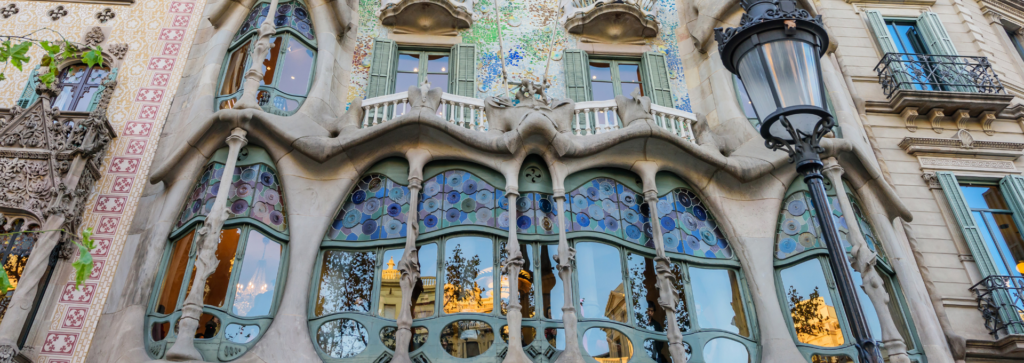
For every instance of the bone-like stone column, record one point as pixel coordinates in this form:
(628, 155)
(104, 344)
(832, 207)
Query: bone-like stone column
(409, 267)
(255, 73)
(566, 258)
(184, 349)
(863, 261)
(511, 269)
(667, 296)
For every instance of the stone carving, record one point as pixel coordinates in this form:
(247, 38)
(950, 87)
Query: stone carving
(94, 37)
(511, 268)
(7, 353)
(9, 10)
(57, 13)
(957, 163)
(118, 50)
(932, 180)
(105, 15)
(566, 259)
(633, 109)
(667, 294)
(254, 75)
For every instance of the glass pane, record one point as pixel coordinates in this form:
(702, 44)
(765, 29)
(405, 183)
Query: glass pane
(342, 338)
(438, 81)
(419, 337)
(555, 337)
(216, 290)
(235, 72)
(658, 350)
(1011, 247)
(599, 271)
(810, 305)
(285, 104)
(226, 104)
(725, 350)
(467, 338)
(551, 288)
(870, 314)
(390, 298)
(97, 75)
(991, 245)
(607, 345)
(602, 91)
(208, 326)
(528, 333)
(842, 358)
(627, 88)
(793, 71)
(296, 69)
(717, 307)
(82, 103)
(409, 62)
(751, 72)
(346, 280)
(271, 61)
(170, 288)
(469, 275)
(437, 63)
(159, 331)
(425, 301)
(527, 301)
(241, 334)
(404, 80)
(63, 102)
(906, 38)
(74, 74)
(629, 73)
(984, 197)
(600, 71)
(257, 282)
(643, 285)
(745, 104)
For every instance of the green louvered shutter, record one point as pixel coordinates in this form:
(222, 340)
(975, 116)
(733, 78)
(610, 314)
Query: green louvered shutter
(577, 75)
(382, 68)
(877, 24)
(28, 95)
(462, 64)
(937, 41)
(1013, 190)
(654, 76)
(99, 92)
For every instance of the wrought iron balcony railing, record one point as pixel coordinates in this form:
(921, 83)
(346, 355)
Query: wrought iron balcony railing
(926, 72)
(1001, 302)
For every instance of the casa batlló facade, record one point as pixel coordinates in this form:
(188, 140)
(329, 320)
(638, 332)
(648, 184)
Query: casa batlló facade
(486, 181)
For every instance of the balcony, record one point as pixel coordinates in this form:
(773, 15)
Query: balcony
(589, 118)
(611, 21)
(961, 87)
(428, 17)
(1001, 302)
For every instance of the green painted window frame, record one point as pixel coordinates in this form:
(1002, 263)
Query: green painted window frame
(616, 80)
(250, 38)
(422, 70)
(897, 299)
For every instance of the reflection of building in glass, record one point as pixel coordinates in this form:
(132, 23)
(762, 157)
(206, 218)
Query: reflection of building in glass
(817, 323)
(391, 294)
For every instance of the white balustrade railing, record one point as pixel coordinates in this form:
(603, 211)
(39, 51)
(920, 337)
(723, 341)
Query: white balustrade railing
(463, 111)
(589, 118)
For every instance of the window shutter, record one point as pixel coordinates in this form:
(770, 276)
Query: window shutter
(964, 219)
(382, 68)
(654, 73)
(99, 92)
(877, 24)
(28, 95)
(934, 34)
(577, 75)
(462, 66)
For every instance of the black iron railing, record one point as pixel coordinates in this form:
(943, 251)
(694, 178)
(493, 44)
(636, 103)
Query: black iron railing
(925, 72)
(1001, 302)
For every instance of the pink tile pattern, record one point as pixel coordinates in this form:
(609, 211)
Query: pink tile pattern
(151, 79)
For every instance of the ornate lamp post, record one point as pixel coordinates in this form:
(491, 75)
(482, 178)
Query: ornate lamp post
(776, 52)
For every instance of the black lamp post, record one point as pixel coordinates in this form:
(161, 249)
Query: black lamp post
(776, 52)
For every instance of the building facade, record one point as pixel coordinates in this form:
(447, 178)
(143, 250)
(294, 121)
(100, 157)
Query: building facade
(395, 163)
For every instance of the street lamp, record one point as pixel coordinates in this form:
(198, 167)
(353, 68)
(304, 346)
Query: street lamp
(776, 52)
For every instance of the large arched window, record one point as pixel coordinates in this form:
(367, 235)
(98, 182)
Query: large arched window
(79, 85)
(808, 296)
(288, 67)
(241, 296)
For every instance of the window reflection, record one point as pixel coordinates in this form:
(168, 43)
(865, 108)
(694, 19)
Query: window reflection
(658, 350)
(254, 293)
(241, 334)
(390, 298)
(467, 338)
(643, 284)
(716, 306)
(296, 70)
(528, 334)
(216, 290)
(599, 273)
(555, 337)
(608, 345)
(810, 305)
(342, 338)
(78, 84)
(209, 325)
(551, 288)
(725, 350)
(346, 281)
(469, 275)
(995, 221)
(176, 267)
(419, 337)
(527, 301)
(236, 70)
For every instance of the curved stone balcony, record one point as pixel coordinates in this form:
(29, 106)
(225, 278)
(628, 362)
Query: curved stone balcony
(433, 17)
(612, 21)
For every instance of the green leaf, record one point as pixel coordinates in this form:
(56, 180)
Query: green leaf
(48, 78)
(93, 57)
(69, 50)
(18, 54)
(83, 266)
(51, 49)
(87, 239)
(3, 77)
(5, 282)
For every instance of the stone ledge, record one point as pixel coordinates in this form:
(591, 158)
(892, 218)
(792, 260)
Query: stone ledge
(964, 144)
(946, 102)
(1009, 347)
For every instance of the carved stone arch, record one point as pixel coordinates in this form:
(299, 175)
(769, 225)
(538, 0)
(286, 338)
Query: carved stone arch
(9, 219)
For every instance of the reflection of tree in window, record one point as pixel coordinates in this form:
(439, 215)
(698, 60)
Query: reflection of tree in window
(342, 338)
(461, 291)
(346, 282)
(525, 285)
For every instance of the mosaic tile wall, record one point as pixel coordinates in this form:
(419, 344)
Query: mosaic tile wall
(529, 27)
(159, 34)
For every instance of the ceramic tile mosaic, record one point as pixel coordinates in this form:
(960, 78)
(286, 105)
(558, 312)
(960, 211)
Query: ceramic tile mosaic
(698, 231)
(530, 31)
(377, 209)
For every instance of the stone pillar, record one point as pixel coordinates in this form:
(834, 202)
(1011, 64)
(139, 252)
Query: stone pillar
(566, 258)
(511, 269)
(254, 75)
(667, 296)
(863, 261)
(409, 267)
(206, 262)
